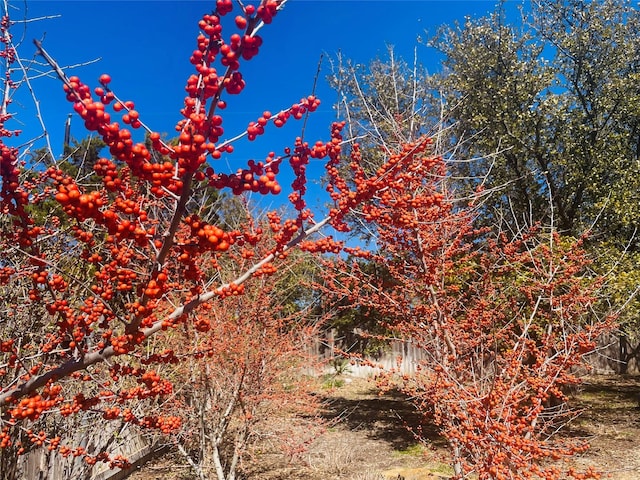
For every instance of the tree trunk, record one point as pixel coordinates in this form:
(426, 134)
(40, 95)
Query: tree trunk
(623, 365)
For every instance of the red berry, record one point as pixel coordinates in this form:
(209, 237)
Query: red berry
(241, 22)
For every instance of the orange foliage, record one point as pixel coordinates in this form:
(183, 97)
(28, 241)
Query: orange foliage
(503, 322)
(94, 268)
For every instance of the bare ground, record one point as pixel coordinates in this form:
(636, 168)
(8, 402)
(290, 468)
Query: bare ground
(611, 419)
(368, 439)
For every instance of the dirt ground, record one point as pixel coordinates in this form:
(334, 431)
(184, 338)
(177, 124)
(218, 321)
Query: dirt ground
(611, 420)
(368, 440)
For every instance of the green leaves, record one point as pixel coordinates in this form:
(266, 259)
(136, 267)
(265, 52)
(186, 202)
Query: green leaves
(563, 133)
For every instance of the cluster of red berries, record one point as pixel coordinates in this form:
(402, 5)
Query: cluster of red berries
(257, 128)
(5, 274)
(252, 236)
(267, 10)
(77, 204)
(13, 198)
(323, 245)
(266, 270)
(108, 170)
(230, 290)
(210, 237)
(166, 424)
(257, 178)
(123, 344)
(5, 438)
(119, 140)
(32, 407)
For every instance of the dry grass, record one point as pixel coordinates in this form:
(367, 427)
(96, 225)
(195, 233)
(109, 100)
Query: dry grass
(370, 441)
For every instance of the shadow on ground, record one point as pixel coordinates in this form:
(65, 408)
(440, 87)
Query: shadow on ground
(610, 400)
(388, 417)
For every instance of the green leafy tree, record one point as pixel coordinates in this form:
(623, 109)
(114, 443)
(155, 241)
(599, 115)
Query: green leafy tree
(82, 155)
(555, 100)
(549, 111)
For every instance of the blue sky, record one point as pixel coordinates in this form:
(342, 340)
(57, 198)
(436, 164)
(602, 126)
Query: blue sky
(145, 47)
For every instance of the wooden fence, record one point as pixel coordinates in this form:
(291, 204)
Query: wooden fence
(122, 440)
(397, 355)
(403, 356)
